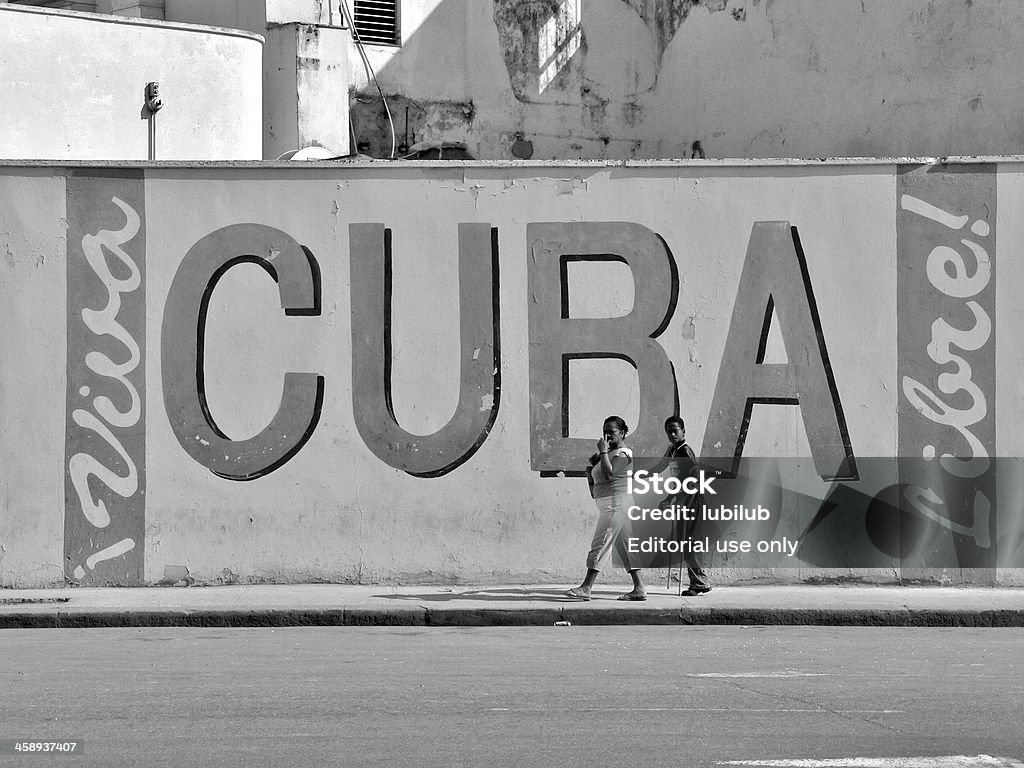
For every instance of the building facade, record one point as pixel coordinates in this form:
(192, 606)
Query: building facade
(601, 79)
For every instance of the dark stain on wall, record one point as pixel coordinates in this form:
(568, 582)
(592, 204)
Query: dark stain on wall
(521, 24)
(525, 25)
(595, 107)
(415, 121)
(664, 17)
(521, 148)
(632, 112)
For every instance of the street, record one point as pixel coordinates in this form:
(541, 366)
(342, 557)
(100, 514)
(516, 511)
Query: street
(521, 696)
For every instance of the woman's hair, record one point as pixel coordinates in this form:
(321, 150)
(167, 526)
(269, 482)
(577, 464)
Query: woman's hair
(619, 423)
(675, 420)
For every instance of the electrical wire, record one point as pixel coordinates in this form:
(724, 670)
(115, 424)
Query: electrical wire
(346, 11)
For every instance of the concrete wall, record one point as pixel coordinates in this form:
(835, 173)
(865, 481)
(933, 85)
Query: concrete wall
(215, 369)
(306, 86)
(72, 87)
(306, 79)
(744, 78)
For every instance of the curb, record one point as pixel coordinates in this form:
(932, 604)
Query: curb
(485, 617)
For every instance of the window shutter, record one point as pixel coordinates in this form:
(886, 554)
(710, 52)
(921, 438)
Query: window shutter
(377, 21)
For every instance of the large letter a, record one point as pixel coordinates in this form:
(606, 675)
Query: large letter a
(775, 279)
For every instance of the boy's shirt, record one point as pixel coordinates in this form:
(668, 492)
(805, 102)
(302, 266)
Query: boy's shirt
(682, 469)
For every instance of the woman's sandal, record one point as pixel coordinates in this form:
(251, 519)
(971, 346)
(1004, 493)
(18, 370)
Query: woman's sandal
(577, 594)
(638, 597)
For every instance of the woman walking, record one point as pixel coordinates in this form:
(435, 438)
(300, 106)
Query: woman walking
(609, 474)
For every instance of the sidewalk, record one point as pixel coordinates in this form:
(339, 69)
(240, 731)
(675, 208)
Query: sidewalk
(540, 605)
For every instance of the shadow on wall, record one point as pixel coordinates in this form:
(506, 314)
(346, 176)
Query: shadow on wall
(573, 77)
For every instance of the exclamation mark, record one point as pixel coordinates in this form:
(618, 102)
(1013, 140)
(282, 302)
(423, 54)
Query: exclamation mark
(114, 550)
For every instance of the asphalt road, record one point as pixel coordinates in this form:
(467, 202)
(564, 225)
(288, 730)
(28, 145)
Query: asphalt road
(529, 696)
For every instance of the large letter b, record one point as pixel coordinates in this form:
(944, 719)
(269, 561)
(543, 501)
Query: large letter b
(556, 338)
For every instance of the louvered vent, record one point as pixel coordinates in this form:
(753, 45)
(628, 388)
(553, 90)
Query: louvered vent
(377, 21)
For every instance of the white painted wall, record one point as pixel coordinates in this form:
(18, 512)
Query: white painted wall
(32, 256)
(72, 87)
(234, 14)
(253, 15)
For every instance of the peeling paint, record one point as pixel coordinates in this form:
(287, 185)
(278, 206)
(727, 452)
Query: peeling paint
(177, 575)
(416, 121)
(689, 330)
(569, 186)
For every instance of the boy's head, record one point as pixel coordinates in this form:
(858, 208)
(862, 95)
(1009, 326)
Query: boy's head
(675, 430)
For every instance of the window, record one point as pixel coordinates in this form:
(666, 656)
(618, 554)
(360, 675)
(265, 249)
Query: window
(377, 21)
(558, 42)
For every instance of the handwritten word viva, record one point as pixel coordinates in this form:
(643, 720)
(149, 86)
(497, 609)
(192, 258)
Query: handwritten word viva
(104, 322)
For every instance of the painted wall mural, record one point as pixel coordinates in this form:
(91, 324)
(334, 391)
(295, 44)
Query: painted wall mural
(105, 488)
(295, 271)
(390, 373)
(946, 258)
(480, 353)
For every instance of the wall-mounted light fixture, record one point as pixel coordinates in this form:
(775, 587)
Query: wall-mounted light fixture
(153, 100)
(153, 105)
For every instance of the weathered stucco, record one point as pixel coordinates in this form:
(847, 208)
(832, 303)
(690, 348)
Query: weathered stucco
(415, 122)
(556, 79)
(665, 17)
(745, 78)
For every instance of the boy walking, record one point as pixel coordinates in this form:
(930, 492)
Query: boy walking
(675, 431)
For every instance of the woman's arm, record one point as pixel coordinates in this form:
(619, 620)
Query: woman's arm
(603, 460)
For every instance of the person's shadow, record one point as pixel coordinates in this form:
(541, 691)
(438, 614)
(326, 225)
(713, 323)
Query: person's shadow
(491, 595)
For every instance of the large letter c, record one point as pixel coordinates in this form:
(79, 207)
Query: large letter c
(182, 339)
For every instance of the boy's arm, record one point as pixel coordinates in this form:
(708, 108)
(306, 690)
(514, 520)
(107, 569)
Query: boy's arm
(670, 499)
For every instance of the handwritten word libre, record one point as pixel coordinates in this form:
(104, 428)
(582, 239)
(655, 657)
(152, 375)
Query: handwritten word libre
(643, 481)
